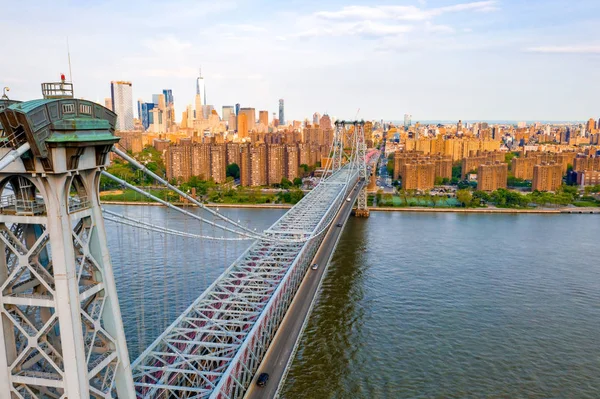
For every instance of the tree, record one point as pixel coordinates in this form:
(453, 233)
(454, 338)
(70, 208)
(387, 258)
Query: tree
(435, 199)
(463, 184)
(508, 157)
(464, 197)
(404, 196)
(438, 181)
(296, 195)
(457, 171)
(305, 170)
(480, 197)
(390, 165)
(285, 183)
(297, 182)
(388, 199)
(233, 170)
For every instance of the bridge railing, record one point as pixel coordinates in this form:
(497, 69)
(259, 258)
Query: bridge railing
(238, 376)
(223, 348)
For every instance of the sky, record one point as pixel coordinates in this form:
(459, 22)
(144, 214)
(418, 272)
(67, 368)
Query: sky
(434, 59)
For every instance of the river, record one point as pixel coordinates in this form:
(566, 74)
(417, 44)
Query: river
(413, 305)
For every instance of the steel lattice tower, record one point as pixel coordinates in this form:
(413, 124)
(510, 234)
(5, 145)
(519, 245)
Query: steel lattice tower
(61, 328)
(337, 147)
(360, 156)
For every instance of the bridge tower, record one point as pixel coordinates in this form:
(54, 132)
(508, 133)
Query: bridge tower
(61, 332)
(361, 152)
(337, 148)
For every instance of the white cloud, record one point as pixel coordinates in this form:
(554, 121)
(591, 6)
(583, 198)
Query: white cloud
(168, 44)
(383, 21)
(177, 72)
(480, 6)
(244, 27)
(429, 27)
(362, 28)
(403, 13)
(575, 49)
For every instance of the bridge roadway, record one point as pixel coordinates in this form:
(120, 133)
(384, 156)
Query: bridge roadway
(281, 351)
(215, 347)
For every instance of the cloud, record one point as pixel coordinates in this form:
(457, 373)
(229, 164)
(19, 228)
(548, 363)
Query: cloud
(384, 21)
(575, 49)
(168, 44)
(480, 6)
(367, 29)
(183, 72)
(403, 13)
(429, 27)
(244, 27)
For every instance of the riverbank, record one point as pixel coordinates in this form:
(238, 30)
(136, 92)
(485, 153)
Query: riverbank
(467, 210)
(256, 206)
(387, 209)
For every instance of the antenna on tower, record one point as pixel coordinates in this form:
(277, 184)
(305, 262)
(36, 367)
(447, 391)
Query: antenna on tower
(69, 57)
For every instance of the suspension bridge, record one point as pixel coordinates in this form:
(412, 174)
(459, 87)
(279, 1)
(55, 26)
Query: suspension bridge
(61, 326)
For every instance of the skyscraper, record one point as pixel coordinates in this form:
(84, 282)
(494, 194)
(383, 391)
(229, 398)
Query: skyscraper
(170, 107)
(168, 96)
(250, 117)
(281, 114)
(227, 111)
(108, 103)
(263, 117)
(242, 126)
(316, 118)
(591, 125)
(200, 88)
(122, 101)
(325, 122)
(407, 120)
(144, 113)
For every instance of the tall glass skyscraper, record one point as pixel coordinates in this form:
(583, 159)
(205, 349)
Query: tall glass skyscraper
(168, 96)
(281, 114)
(122, 100)
(200, 88)
(144, 113)
(407, 120)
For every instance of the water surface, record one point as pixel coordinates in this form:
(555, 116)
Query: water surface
(413, 305)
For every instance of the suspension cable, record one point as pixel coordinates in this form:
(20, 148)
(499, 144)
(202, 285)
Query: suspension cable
(118, 218)
(185, 195)
(169, 205)
(248, 236)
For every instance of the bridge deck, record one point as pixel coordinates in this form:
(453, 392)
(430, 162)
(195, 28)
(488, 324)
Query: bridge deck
(214, 348)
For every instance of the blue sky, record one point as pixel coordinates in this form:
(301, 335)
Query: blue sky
(435, 59)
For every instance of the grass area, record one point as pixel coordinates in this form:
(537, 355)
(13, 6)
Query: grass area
(586, 204)
(232, 196)
(399, 202)
(132, 196)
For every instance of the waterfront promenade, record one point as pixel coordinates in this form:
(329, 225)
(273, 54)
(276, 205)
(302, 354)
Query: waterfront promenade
(563, 210)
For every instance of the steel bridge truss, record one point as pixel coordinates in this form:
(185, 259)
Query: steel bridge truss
(214, 348)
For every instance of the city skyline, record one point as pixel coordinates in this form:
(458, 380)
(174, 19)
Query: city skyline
(436, 60)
